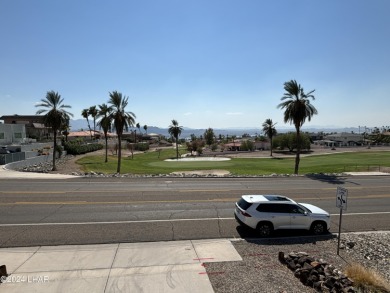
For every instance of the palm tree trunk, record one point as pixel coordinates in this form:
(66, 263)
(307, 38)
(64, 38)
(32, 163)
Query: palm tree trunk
(298, 155)
(271, 144)
(118, 170)
(89, 127)
(177, 148)
(106, 138)
(54, 150)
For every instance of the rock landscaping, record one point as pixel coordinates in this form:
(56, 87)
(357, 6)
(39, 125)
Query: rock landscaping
(316, 273)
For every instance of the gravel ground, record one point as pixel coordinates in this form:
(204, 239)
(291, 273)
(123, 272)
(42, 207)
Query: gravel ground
(261, 271)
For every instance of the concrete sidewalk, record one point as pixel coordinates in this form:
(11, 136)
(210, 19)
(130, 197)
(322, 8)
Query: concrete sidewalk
(175, 266)
(6, 173)
(367, 173)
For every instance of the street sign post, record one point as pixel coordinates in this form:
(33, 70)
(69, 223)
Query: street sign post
(341, 202)
(341, 198)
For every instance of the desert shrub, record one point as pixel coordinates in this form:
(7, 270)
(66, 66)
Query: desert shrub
(247, 145)
(366, 280)
(142, 146)
(59, 150)
(289, 141)
(195, 146)
(76, 148)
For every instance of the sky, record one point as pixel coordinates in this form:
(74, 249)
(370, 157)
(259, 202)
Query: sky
(204, 63)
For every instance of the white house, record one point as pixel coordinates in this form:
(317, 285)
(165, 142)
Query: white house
(343, 139)
(12, 133)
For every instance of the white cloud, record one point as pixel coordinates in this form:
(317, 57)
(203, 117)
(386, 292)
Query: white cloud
(187, 114)
(234, 113)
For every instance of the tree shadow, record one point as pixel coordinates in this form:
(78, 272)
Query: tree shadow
(330, 178)
(282, 237)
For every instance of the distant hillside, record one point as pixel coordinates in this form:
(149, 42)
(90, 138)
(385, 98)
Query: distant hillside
(78, 124)
(82, 124)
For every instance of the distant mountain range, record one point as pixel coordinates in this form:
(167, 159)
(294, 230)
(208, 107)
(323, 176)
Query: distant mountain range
(79, 124)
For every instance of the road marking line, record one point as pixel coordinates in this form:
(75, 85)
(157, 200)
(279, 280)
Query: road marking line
(50, 202)
(115, 222)
(118, 202)
(34, 192)
(359, 214)
(181, 191)
(174, 201)
(158, 221)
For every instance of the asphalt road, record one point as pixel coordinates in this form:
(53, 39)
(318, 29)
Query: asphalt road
(110, 210)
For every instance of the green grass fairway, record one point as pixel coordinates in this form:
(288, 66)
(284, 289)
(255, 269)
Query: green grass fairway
(150, 163)
(192, 165)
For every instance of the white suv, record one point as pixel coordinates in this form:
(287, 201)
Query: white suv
(266, 213)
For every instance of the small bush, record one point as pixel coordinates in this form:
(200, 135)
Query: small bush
(366, 279)
(141, 146)
(59, 150)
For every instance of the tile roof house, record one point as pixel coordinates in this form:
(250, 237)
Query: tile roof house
(86, 134)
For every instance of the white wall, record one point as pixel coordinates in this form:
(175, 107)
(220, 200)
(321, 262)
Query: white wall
(12, 133)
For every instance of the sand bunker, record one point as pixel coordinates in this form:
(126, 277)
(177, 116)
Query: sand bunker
(198, 159)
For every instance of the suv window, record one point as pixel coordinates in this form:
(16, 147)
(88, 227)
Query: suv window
(242, 203)
(276, 198)
(294, 209)
(273, 208)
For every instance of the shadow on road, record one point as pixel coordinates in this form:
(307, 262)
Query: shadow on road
(331, 179)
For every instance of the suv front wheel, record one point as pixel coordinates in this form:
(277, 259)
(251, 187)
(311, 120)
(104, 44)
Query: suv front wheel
(318, 228)
(265, 229)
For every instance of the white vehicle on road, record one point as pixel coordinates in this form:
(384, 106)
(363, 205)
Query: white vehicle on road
(267, 213)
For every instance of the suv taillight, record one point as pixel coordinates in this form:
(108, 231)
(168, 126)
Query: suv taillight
(245, 214)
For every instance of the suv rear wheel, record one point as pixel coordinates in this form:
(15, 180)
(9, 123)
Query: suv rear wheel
(318, 228)
(265, 229)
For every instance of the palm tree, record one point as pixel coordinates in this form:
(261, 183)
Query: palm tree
(55, 116)
(105, 123)
(122, 119)
(65, 129)
(269, 130)
(139, 127)
(297, 109)
(175, 131)
(85, 114)
(139, 131)
(93, 112)
(146, 129)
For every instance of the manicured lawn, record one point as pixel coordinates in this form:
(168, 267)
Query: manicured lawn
(151, 163)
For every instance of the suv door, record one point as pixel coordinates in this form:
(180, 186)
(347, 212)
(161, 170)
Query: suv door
(277, 213)
(300, 219)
